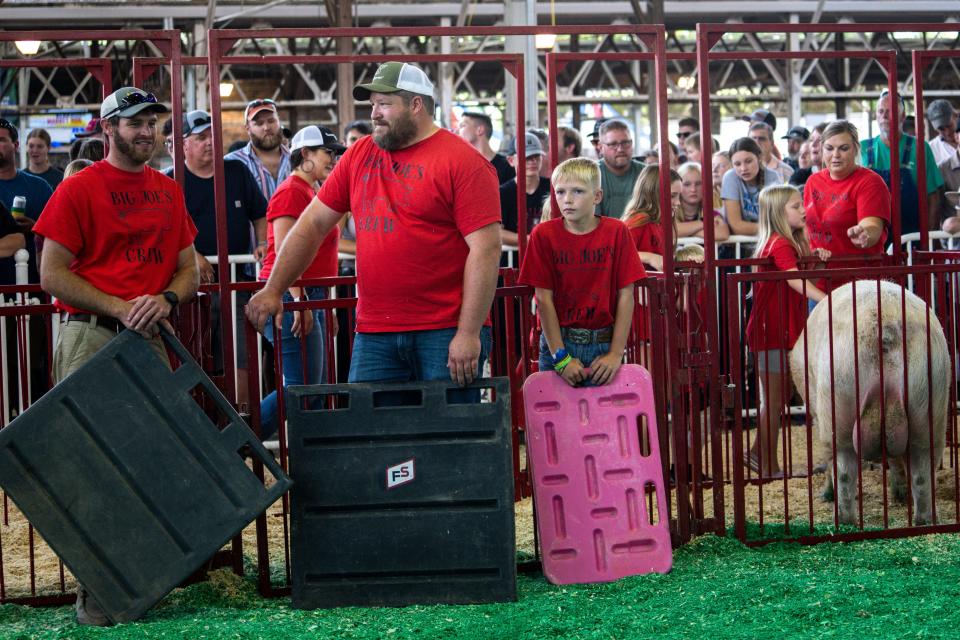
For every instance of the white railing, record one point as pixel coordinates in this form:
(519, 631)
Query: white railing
(23, 367)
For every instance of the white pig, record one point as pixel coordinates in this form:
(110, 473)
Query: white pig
(906, 406)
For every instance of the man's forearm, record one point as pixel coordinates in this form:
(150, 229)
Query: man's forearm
(549, 324)
(76, 292)
(298, 249)
(185, 282)
(260, 230)
(11, 243)
(479, 287)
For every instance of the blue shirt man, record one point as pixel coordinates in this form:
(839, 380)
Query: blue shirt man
(13, 183)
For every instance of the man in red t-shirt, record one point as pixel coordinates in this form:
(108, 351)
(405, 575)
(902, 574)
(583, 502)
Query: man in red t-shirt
(118, 249)
(427, 214)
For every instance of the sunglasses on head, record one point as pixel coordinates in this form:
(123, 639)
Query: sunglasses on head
(6, 124)
(259, 102)
(131, 100)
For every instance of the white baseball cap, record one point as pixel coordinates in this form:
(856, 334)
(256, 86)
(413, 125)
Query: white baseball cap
(314, 136)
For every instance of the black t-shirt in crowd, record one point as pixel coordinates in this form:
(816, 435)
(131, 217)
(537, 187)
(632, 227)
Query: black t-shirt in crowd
(53, 176)
(504, 171)
(245, 203)
(800, 176)
(535, 200)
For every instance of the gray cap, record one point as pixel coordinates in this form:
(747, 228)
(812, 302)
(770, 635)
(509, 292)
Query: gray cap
(532, 144)
(196, 122)
(762, 115)
(939, 113)
(127, 102)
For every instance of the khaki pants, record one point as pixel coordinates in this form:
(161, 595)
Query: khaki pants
(79, 341)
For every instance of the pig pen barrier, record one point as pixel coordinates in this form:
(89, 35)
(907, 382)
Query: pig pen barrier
(30, 573)
(696, 401)
(514, 355)
(790, 507)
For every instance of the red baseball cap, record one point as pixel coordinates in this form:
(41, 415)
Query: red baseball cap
(256, 106)
(93, 128)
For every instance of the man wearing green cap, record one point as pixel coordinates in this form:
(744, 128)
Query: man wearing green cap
(118, 250)
(427, 213)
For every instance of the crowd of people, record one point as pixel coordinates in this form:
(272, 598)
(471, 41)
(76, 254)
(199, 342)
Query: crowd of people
(120, 245)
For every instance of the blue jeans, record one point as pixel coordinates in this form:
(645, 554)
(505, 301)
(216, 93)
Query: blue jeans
(290, 354)
(409, 356)
(585, 353)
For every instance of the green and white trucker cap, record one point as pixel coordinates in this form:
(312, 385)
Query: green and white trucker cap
(395, 76)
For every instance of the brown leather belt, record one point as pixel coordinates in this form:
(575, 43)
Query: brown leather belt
(586, 336)
(112, 324)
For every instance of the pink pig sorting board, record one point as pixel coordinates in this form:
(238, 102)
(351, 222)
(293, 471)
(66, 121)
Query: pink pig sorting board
(597, 477)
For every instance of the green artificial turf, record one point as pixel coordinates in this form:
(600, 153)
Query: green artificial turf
(906, 588)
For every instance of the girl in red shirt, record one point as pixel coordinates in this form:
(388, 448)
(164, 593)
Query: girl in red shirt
(642, 214)
(313, 151)
(642, 217)
(779, 314)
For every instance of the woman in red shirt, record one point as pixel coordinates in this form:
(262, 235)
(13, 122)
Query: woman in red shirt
(778, 315)
(848, 207)
(313, 152)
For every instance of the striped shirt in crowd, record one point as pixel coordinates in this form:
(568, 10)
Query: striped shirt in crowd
(268, 184)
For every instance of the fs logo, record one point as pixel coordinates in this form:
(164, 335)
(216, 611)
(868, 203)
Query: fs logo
(400, 474)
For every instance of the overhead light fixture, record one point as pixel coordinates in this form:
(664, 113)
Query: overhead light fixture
(545, 41)
(28, 47)
(226, 89)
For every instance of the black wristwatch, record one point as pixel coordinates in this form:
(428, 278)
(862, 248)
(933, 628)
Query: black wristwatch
(172, 298)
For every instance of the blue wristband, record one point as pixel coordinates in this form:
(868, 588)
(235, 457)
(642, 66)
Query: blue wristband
(559, 356)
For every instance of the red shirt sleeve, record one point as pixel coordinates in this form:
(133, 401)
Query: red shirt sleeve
(476, 195)
(286, 202)
(873, 198)
(783, 254)
(59, 220)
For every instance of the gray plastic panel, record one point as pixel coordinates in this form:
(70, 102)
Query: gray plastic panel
(401, 505)
(126, 477)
